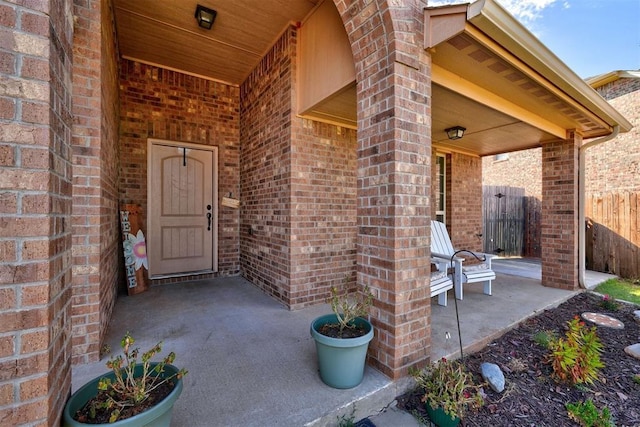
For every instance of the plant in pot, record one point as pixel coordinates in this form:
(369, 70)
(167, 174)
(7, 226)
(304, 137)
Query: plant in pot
(342, 339)
(133, 393)
(449, 392)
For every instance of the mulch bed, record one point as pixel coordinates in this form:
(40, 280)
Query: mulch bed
(531, 397)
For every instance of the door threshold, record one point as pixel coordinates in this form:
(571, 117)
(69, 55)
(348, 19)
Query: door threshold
(174, 275)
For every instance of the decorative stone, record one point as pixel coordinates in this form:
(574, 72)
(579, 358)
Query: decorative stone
(636, 316)
(603, 320)
(633, 350)
(493, 375)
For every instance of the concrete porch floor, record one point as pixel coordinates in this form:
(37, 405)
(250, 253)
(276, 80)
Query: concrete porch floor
(252, 362)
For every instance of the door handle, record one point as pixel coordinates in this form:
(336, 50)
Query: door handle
(208, 221)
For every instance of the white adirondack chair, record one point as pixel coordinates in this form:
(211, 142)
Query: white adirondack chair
(442, 252)
(440, 284)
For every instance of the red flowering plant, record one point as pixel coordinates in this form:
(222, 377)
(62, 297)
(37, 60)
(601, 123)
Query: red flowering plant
(609, 303)
(447, 384)
(576, 357)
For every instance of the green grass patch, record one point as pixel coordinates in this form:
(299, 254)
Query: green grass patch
(621, 289)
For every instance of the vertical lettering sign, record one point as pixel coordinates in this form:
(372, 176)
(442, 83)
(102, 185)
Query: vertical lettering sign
(134, 249)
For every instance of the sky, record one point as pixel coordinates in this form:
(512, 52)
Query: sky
(592, 37)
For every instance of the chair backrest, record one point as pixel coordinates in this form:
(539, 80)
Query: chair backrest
(440, 241)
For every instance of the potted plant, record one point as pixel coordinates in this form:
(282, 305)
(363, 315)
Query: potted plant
(449, 392)
(342, 339)
(133, 393)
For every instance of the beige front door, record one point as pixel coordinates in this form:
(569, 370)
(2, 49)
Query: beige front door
(182, 204)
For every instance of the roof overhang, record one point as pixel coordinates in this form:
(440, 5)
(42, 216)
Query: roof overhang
(612, 76)
(492, 76)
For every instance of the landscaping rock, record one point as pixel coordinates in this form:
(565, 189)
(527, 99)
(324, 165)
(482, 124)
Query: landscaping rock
(603, 320)
(633, 350)
(636, 316)
(493, 375)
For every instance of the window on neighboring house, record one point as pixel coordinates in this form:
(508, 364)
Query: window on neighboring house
(441, 177)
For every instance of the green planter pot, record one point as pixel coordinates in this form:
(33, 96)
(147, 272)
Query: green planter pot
(157, 416)
(341, 360)
(440, 418)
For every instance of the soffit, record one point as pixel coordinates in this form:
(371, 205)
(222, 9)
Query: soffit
(475, 63)
(488, 131)
(166, 33)
(531, 111)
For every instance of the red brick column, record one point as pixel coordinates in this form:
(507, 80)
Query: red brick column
(394, 177)
(560, 213)
(464, 202)
(96, 235)
(35, 208)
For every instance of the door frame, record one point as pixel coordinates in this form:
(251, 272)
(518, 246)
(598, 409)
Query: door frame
(214, 189)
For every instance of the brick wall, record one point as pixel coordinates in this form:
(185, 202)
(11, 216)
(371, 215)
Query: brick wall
(526, 162)
(35, 211)
(464, 201)
(109, 168)
(323, 240)
(614, 166)
(95, 174)
(618, 88)
(265, 221)
(298, 221)
(164, 104)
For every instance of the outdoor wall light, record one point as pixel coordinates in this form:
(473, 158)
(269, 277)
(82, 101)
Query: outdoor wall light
(455, 132)
(205, 16)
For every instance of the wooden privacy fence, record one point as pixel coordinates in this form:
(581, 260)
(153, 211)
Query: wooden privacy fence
(613, 233)
(511, 221)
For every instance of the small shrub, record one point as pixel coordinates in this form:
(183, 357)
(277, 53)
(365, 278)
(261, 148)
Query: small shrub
(347, 310)
(609, 303)
(636, 379)
(543, 338)
(447, 384)
(576, 358)
(128, 390)
(587, 415)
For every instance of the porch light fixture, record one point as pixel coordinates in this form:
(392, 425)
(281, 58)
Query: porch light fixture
(455, 132)
(205, 16)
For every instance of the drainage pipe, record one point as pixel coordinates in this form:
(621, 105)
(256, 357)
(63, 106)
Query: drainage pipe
(581, 201)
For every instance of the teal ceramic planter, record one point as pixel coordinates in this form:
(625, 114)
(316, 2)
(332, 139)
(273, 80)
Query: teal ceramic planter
(440, 418)
(341, 360)
(157, 416)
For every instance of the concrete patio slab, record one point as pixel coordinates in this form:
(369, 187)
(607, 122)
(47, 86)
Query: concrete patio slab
(252, 362)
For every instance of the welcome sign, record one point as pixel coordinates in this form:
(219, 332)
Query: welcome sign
(134, 248)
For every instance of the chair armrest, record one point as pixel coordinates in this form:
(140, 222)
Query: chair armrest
(441, 263)
(444, 263)
(487, 257)
(446, 257)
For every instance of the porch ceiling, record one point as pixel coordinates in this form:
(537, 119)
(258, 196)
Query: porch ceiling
(166, 33)
(489, 74)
